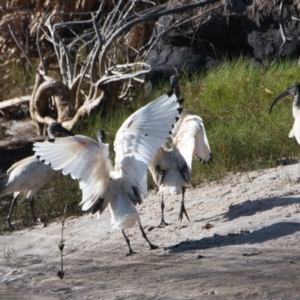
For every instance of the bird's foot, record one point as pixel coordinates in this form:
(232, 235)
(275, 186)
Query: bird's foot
(130, 253)
(163, 223)
(181, 212)
(153, 247)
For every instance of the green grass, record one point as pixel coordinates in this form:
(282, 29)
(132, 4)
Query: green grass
(233, 100)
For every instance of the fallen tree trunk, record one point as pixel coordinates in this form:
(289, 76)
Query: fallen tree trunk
(16, 148)
(15, 101)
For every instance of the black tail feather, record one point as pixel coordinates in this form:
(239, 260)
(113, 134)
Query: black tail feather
(98, 206)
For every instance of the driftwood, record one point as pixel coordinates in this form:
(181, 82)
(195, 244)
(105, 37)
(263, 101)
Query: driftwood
(105, 61)
(16, 148)
(15, 101)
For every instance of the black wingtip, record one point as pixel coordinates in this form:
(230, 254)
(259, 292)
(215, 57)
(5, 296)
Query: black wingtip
(180, 109)
(38, 157)
(180, 101)
(176, 118)
(51, 140)
(170, 93)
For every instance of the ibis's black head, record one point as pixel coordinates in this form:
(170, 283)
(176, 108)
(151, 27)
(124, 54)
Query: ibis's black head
(101, 136)
(294, 90)
(174, 82)
(55, 128)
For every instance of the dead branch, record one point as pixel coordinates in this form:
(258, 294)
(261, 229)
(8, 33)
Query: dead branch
(283, 25)
(14, 101)
(102, 62)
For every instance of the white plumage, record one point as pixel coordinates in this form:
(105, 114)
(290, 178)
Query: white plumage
(171, 168)
(294, 90)
(27, 176)
(24, 179)
(120, 187)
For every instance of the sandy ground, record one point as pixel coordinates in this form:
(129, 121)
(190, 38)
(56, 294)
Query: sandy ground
(242, 242)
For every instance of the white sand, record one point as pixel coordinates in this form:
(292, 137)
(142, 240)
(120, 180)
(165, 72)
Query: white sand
(252, 250)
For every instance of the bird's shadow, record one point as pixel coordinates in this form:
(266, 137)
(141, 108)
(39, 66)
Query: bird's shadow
(251, 207)
(261, 235)
(247, 208)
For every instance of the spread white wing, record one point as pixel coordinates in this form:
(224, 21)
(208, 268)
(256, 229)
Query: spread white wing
(136, 142)
(191, 139)
(141, 135)
(84, 159)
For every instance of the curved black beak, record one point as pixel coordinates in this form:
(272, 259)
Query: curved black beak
(285, 93)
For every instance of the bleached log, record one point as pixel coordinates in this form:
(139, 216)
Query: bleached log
(15, 101)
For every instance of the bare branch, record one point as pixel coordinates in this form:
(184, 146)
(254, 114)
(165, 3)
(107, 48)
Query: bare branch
(20, 47)
(152, 16)
(284, 28)
(14, 101)
(111, 49)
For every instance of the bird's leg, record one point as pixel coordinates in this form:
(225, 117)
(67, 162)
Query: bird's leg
(128, 244)
(162, 206)
(13, 203)
(182, 207)
(32, 210)
(152, 247)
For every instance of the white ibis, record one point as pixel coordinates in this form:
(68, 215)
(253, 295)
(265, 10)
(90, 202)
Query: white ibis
(120, 187)
(171, 168)
(25, 178)
(294, 90)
